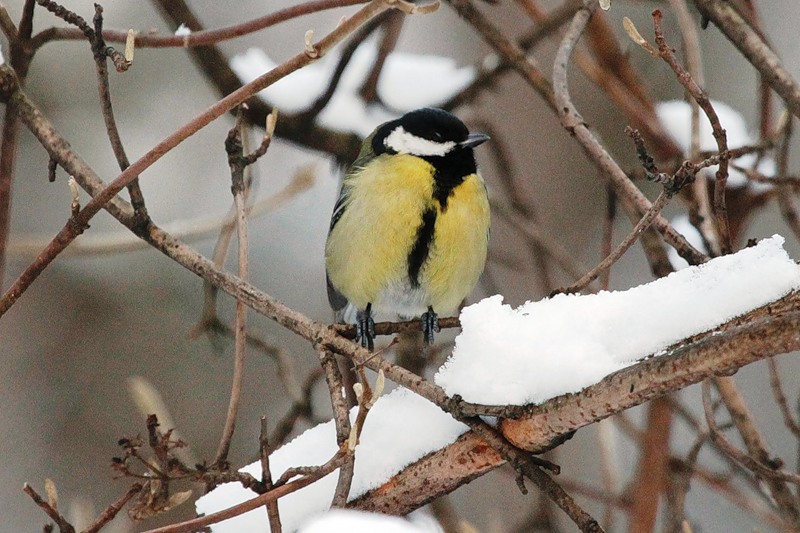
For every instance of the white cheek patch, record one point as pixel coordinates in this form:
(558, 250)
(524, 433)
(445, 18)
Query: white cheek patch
(404, 142)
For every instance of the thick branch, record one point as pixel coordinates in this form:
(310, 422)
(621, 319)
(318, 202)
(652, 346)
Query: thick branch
(716, 355)
(765, 332)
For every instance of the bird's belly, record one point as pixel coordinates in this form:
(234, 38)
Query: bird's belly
(400, 298)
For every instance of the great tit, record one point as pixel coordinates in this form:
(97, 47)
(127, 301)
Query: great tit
(410, 229)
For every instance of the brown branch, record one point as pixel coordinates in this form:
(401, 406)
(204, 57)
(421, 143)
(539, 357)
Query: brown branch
(770, 473)
(700, 214)
(757, 335)
(99, 49)
(780, 398)
(683, 366)
(111, 511)
(238, 162)
(652, 470)
(758, 458)
(266, 478)
(530, 468)
(754, 48)
(510, 52)
(202, 37)
(63, 525)
(20, 59)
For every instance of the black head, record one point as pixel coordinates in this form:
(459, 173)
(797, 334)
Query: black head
(426, 133)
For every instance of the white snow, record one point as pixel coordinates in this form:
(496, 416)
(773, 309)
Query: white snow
(519, 356)
(183, 30)
(692, 234)
(408, 81)
(358, 522)
(565, 343)
(404, 142)
(676, 116)
(400, 428)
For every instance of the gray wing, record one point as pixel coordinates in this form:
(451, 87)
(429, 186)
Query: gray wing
(336, 299)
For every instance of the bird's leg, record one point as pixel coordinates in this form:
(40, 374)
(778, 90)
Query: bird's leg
(365, 328)
(430, 325)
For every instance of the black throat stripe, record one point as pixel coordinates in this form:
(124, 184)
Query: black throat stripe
(449, 172)
(419, 252)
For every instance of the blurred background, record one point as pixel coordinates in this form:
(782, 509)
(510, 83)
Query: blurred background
(93, 321)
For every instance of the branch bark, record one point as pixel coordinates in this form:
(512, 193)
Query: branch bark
(754, 48)
(762, 333)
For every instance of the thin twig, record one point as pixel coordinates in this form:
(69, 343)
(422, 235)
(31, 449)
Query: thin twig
(510, 52)
(754, 48)
(700, 214)
(63, 525)
(197, 524)
(699, 95)
(203, 37)
(266, 478)
(608, 235)
(111, 511)
(766, 471)
(99, 51)
(237, 163)
(780, 398)
(391, 34)
(786, 198)
(757, 458)
(626, 243)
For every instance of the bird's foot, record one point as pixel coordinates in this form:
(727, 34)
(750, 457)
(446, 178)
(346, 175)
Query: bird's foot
(365, 328)
(430, 325)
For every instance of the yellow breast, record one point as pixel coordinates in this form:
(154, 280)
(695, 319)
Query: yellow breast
(367, 250)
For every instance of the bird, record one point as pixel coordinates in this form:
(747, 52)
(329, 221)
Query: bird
(410, 229)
